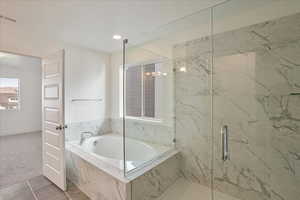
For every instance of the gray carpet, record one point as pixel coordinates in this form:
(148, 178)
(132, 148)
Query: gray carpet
(20, 158)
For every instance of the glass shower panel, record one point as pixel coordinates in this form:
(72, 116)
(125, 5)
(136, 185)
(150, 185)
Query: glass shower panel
(149, 105)
(175, 66)
(255, 101)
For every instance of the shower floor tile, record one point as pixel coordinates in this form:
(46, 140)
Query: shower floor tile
(183, 190)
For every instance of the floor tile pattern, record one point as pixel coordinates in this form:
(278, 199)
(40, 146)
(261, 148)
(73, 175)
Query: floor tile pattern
(40, 188)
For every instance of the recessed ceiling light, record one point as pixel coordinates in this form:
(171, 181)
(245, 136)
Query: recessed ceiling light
(182, 69)
(117, 37)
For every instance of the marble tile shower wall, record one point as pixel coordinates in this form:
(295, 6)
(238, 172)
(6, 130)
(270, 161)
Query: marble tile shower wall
(99, 127)
(144, 131)
(152, 132)
(192, 109)
(255, 70)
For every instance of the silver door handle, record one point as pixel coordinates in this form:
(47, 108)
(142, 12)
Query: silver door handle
(60, 127)
(225, 148)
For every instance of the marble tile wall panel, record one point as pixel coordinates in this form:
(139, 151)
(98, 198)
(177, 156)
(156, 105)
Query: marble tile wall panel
(193, 109)
(255, 70)
(152, 132)
(153, 183)
(98, 185)
(99, 127)
(95, 183)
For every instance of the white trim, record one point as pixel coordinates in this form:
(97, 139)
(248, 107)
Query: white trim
(18, 94)
(142, 92)
(145, 119)
(154, 61)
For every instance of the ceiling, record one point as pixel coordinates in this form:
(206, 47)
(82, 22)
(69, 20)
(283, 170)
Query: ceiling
(90, 23)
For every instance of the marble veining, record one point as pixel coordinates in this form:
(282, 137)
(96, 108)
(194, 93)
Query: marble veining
(98, 127)
(256, 68)
(152, 132)
(95, 183)
(98, 185)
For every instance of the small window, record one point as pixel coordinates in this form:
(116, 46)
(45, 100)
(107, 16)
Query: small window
(140, 81)
(9, 94)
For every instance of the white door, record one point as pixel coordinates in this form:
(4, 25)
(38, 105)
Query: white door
(53, 119)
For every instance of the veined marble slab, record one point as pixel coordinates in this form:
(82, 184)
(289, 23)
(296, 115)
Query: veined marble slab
(256, 68)
(100, 185)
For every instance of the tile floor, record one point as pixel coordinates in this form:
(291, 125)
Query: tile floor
(184, 190)
(40, 188)
(21, 169)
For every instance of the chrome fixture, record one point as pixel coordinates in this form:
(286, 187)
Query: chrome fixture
(84, 135)
(7, 18)
(225, 149)
(295, 93)
(99, 99)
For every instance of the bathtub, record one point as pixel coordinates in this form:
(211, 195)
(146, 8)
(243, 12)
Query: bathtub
(106, 153)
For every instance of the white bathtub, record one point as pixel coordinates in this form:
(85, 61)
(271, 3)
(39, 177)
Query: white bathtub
(106, 153)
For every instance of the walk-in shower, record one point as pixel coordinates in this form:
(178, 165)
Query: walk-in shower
(223, 84)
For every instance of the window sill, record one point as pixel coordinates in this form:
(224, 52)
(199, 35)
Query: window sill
(144, 119)
(10, 110)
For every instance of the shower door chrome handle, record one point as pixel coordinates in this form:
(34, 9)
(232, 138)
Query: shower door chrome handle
(225, 148)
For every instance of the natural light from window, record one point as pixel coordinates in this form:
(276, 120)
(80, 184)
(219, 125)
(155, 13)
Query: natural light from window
(9, 94)
(142, 85)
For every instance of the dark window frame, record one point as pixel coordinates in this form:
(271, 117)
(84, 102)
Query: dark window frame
(143, 116)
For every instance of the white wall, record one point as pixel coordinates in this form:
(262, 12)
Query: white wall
(86, 77)
(28, 118)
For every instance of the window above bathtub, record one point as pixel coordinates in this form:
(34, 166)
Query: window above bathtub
(9, 93)
(144, 91)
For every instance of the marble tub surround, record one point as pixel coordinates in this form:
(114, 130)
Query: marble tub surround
(99, 127)
(106, 153)
(108, 168)
(255, 70)
(95, 183)
(156, 132)
(99, 185)
(154, 182)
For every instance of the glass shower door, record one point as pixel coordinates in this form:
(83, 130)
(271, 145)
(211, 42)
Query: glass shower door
(256, 114)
